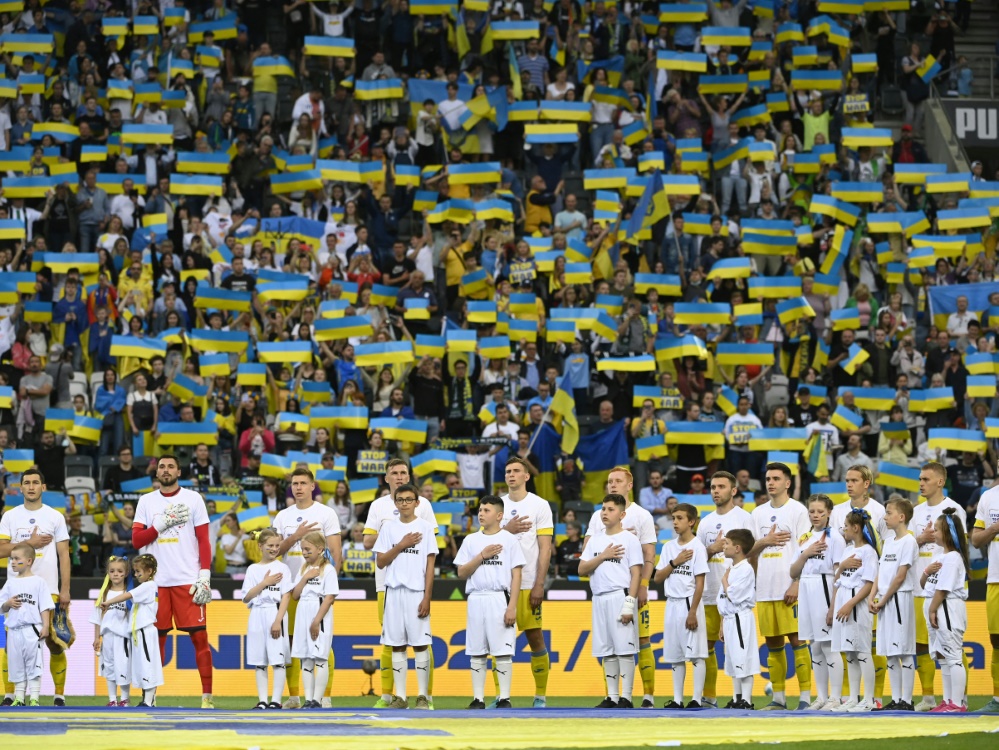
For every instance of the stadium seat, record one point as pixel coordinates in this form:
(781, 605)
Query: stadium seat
(79, 466)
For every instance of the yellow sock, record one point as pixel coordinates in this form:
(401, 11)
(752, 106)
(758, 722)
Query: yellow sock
(57, 667)
(777, 665)
(846, 678)
(540, 666)
(388, 683)
(8, 686)
(647, 668)
(926, 670)
(995, 671)
(495, 677)
(967, 667)
(710, 674)
(293, 674)
(880, 671)
(430, 676)
(803, 667)
(329, 680)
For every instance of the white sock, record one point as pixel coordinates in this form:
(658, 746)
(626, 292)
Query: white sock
(261, 675)
(627, 666)
(895, 677)
(835, 675)
(908, 677)
(149, 696)
(125, 691)
(422, 661)
(679, 675)
(867, 673)
(853, 674)
(958, 683)
(400, 671)
(19, 689)
(820, 669)
(35, 688)
(700, 670)
(321, 675)
(504, 668)
(308, 677)
(112, 691)
(779, 697)
(611, 676)
(747, 689)
(478, 678)
(946, 675)
(279, 678)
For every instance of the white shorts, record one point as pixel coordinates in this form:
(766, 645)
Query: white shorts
(814, 593)
(485, 632)
(261, 649)
(303, 646)
(147, 667)
(116, 658)
(680, 644)
(24, 653)
(742, 653)
(897, 626)
(611, 637)
(856, 633)
(947, 639)
(403, 626)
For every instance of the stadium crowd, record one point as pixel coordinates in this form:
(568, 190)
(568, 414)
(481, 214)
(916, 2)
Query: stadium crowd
(246, 233)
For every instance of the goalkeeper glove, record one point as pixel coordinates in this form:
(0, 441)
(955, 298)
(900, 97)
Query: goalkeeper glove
(175, 515)
(202, 588)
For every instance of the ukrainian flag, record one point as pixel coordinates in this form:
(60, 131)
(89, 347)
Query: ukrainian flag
(429, 346)
(344, 417)
(856, 356)
(6, 397)
(790, 310)
(473, 174)
(818, 80)
(984, 190)
(683, 13)
(504, 31)
(779, 103)
(387, 88)
(571, 111)
(745, 354)
(670, 347)
(133, 346)
(749, 314)
(31, 83)
(702, 313)
(864, 63)
(203, 163)
(391, 352)
(941, 438)
(147, 134)
(752, 116)
(296, 182)
(284, 351)
(254, 519)
(325, 46)
(18, 461)
(59, 419)
(727, 84)
(595, 179)
(982, 386)
(667, 285)
(897, 477)
(403, 430)
(184, 433)
(363, 490)
(222, 299)
(777, 438)
(175, 100)
(147, 25)
(541, 133)
(693, 62)
(651, 447)
(429, 462)
(789, 32)
(195, 184)
(928, 69)
(695, 433)
(948, 183)
(272, 465)
(87, 429)
(916, 174)
(847, 318)
(929, 400)
(858, 192)
(461, 341)
(560, 330)
(722, 36)
(779, 287)
(206, 340)
(495, 347)
(641, 363)
(315, 392)
(36, 44)
(846, 420)
(148, 92)
(964, 218)
(433, 8)
(214, 364)
(875, 399)
(982, 364)
(37, 312)
(873, 137)
(826, 205)
(805, 55)
(522, 112)
(766, 244)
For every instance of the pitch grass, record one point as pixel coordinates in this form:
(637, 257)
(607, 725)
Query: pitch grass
(440, 702)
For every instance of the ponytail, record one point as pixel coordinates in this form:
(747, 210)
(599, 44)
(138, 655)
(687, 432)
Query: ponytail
(107, 578)
(954, 533)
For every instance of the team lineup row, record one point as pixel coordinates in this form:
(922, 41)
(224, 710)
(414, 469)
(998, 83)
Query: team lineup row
(811, 574)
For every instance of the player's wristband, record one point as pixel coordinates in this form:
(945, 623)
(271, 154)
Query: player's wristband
(672, 564)
(645, 582)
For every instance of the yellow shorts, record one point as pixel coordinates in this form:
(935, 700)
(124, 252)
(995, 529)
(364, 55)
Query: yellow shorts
(644, 626)
(712, 621)
(777, 618)
(292, 609)
(922, 633)
(528, 617)
(381, 607)
(992, 608)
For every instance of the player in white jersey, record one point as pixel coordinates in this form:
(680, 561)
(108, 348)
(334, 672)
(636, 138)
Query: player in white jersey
(407, 549)
(859, 479)
(380, 512)
(614, 561)
(985, 536)
(735, 605)
(639, 522)
(892, 598)
(26, 605)
(316, 589)
(683, 564)
(294, 523)
(147, 666)
(492, 562)
(267, 592)
(778, 525)
(530, 520)
(44, 529)
(711, 530)
(113, 634)
(171, 524)
(932, 480)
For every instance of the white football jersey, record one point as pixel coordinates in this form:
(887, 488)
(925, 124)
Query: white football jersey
(924, 515)
(288, 520)
(773, 569)
(18, 525)
(539, 513)
(176, 549)
(707, 531)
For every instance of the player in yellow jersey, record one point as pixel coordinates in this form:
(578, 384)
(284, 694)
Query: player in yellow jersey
(985, 536)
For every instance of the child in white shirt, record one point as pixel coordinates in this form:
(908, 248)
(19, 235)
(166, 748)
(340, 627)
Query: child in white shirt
(26, 605)
(112, 633)
(735, 604)
(267, 592)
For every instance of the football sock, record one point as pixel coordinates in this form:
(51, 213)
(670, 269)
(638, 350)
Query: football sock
(478, 678)
(400, 671)
(57, 668)
(908, 677)
(386, 672)
(280, 673)
(294, 686)
(540, 667)
(329, 680)
(647, 667)
(422, 661)
(803, 671)
(203, 656)
(261, 676)
(611, 676)
(627, 666)
(308, 677)
(777, 664)
(322, 671)
(995, 673)
(926, 670)
(679, 675)
(503, 667)
(699, 668)
(711, 674)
